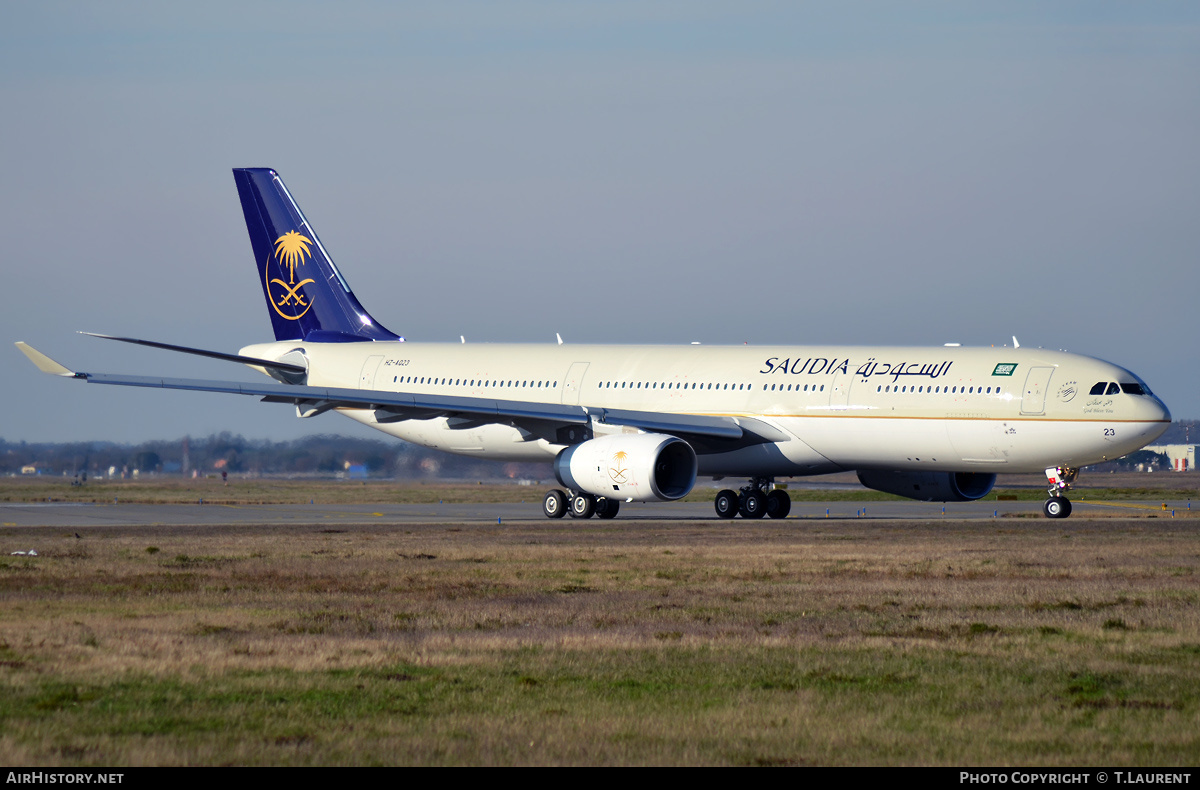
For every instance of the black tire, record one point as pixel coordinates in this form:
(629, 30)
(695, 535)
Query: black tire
(1057, 507)
(607, 508)
(779, 504)
(753, 505)
(554, 505)
(582, 506)
(726, 504)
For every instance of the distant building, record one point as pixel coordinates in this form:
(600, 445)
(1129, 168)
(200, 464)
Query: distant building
(1183, 456)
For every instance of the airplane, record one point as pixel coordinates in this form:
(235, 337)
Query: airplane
(644, 422)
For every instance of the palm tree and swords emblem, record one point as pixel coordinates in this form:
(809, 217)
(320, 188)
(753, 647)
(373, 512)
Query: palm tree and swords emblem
(290, 250)
(618, 469)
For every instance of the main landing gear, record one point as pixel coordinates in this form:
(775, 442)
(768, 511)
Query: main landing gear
(557, 504)
(1059, 480)
(754, 501)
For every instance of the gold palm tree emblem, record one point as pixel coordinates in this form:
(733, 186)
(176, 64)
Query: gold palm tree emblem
(291, 249)
(617, 472)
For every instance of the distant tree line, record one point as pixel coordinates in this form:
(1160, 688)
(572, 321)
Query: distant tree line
(331, 455)
(324, 455)
(1180, 432)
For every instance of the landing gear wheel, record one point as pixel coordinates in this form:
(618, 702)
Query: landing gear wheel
(1057, 507)
(726, 504)
(555, 504)
(753, 505)
(607, 508)
(582, 506)
(779, 504)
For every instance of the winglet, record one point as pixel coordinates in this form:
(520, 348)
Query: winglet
(43, 362)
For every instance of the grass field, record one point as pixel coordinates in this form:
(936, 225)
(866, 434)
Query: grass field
(744, 643)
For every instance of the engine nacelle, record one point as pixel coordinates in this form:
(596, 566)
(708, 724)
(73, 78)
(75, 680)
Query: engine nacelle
(930, 486)
(641, 466)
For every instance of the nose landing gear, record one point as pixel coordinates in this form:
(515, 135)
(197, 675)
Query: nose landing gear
(755, 501)
(1059, 480)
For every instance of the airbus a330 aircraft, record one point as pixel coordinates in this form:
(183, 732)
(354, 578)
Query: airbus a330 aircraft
(641, 423)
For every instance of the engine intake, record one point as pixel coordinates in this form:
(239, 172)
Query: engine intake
(930, 486)
(641, 466)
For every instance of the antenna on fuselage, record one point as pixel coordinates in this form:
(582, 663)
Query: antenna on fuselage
(1015, 343)
(463, 338)
(556, 334)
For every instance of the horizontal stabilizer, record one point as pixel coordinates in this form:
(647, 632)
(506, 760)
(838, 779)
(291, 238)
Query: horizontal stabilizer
(200, 352)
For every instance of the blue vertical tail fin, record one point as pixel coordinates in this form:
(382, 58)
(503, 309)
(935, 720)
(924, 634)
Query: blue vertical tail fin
(307, 297)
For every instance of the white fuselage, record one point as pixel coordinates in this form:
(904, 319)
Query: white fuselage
(834, 408)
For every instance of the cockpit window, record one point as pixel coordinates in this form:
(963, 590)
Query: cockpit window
(1098, 388)
(1132, 388)
(1113, 389)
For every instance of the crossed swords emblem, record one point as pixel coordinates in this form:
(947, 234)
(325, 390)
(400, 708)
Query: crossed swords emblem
(293, 292)
(290, 250)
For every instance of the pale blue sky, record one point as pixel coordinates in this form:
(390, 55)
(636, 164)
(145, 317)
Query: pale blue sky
(627, 172)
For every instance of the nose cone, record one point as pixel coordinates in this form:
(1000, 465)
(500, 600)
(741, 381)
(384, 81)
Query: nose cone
(1154, 417)
(1164, 412)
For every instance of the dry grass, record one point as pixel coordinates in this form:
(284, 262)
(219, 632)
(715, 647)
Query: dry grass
(605, 642)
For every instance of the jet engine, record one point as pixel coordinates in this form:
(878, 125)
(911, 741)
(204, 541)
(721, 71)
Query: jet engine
(930, 486)
(641, 466)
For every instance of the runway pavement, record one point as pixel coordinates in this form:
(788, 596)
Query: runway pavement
(82, 516)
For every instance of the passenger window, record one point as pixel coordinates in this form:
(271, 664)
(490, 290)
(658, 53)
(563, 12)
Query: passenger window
(1113, 389)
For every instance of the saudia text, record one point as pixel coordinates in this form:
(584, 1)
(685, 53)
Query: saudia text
(817, 365)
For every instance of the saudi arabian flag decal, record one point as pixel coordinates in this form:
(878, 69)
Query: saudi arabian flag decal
(1005, 369)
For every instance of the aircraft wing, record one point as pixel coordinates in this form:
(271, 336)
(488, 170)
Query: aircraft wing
(541, 419)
